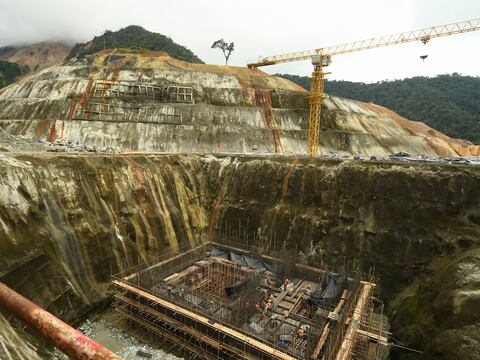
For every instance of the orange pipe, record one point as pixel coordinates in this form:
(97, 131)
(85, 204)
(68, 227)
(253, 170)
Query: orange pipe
(71, 341)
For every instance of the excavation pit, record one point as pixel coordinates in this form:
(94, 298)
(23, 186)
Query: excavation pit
(218, 301)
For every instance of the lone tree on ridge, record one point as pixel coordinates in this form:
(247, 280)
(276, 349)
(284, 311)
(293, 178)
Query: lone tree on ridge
(226, 48)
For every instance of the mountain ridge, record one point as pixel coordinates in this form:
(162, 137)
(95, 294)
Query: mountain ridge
(134, 37)
(19, 60)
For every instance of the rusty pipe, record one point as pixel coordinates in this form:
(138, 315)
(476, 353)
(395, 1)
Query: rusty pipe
(71, 341)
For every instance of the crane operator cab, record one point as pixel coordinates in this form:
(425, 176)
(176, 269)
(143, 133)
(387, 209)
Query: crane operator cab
(323, 60)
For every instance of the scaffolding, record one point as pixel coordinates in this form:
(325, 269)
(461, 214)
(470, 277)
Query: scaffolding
(216, 301)
(162, 114)
(114, 101)
(131, 91)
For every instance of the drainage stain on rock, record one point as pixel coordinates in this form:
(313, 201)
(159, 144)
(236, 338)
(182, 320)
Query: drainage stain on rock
(103, 169)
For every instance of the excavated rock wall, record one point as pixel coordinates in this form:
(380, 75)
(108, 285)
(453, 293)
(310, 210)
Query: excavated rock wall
(68, 222)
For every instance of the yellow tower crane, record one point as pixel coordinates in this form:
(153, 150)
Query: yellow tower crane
(322, 57)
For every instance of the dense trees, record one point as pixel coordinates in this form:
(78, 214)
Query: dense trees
(448, 103)
(9, 72)
(134, 38)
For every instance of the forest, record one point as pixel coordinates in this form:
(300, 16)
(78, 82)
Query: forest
(448, 103)
(9, 72)
(134, 38)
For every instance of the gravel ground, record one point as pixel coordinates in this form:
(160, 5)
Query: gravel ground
(102, 330)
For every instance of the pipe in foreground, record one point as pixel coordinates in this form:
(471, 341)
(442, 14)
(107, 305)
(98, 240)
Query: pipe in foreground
(71, 341)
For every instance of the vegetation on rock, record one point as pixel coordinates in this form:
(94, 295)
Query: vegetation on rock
(447, 103)
(8, 50)
(9, 72)
(134, 38)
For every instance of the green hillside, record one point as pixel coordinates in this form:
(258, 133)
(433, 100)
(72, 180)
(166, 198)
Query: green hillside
(8, 50)
(134, 37)
(9, 72)
(448, 103)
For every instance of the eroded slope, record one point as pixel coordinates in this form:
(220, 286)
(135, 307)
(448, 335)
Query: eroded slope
(149, 101)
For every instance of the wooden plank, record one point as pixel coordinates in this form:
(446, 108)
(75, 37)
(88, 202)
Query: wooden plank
(164, 262)
(179, 325)
(279, 298)
(295, 305)
(347, 345)
(285, 304)
(375, 337)
(326, 330)
(297, 289)
(289, 299)
(333, 315)
(170, 337)
(286, 318)
(202, 319)
(176, 277)
(321, 341)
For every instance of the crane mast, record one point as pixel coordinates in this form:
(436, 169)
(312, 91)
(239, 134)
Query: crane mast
(321, 58)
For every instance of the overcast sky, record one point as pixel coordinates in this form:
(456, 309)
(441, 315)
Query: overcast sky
(263, 28)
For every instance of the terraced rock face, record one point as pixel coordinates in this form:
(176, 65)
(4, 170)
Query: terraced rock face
(68, 222)
(153, 102)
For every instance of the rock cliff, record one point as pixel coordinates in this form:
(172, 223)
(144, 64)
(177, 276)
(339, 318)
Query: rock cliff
(68, 222)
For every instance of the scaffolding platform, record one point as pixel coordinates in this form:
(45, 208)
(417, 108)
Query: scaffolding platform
(221, 302)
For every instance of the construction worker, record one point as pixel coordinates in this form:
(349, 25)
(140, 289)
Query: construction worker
(270, 298)
(301, 332)
(308, 289)
(285, 284)
(268, 307)
(263, 308)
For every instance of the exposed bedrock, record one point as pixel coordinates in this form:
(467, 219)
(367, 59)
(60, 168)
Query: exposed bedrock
(68, 222)
(155, 103)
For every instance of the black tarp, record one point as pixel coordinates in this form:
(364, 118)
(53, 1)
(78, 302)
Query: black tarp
(236, 289)
(242, 260)
(329, 291)
(220, 253)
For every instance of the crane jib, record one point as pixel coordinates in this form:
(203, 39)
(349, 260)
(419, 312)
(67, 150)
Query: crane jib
(321, 57)
(423, 35)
